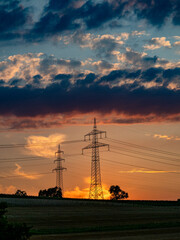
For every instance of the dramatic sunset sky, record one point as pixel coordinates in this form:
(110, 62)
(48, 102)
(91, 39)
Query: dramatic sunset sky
(64, 62)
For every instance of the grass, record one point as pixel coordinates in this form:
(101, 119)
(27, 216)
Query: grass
(96, 218)
(106, 228)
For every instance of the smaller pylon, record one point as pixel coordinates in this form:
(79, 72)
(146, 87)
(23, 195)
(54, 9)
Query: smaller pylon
(59, 169)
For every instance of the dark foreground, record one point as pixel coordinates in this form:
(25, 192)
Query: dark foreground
(99, 221)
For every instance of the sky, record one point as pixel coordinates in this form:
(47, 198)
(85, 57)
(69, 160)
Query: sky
(62, 63)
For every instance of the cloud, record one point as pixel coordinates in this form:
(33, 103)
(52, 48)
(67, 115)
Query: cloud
(31, 102)
(44, 146)
(166, 137)
(13, 17)
(103, 45)
(20, 67)
(58, 18)
(147, 171)
(136, 59)
(22, 174)
(73, 16)
(149, 10)
(22, 123)
(8, 189)
(84, 193)
(77, 193)
(177, 37)
(39, 70)
(177, 43)
(42, 91)
(176, 17)
(36, 69)
(156, 43)
(128, 98)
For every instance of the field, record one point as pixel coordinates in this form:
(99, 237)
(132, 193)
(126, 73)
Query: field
(94, 220)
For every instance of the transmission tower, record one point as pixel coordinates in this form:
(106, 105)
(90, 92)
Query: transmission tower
(59, 169)
(95, 191)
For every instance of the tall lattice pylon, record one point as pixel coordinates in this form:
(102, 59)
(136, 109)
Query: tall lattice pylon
(95, 191)
(59, 169)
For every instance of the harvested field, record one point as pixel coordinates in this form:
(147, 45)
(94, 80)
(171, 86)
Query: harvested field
(99, 221)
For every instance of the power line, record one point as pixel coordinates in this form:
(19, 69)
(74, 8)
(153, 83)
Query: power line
(147, 154)
(144, 148)
(22, 159)
(17, 145)
(132, 165)
(146, 159)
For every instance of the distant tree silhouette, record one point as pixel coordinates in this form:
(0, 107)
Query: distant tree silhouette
(51, 192)
(20, 193)
(10, 230)
(117, 193)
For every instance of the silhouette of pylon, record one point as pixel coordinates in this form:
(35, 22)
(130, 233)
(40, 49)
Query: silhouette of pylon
(95, 191)
(59, 169)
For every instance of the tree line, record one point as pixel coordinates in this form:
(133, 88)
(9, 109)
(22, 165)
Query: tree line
(116, 193)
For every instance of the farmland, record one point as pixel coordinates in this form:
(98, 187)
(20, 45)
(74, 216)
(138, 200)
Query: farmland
(78, 219)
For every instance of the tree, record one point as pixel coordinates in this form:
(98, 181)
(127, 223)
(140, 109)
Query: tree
(10, 230)
(117, 193)
(20, 193)
(51, 192)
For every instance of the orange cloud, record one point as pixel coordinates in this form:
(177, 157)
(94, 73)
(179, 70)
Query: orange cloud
(21, 173)
(146, 171)
(166, 137)
(44, 146)
(8, 190)
(84, 193)
(77, 193)
(156, 43)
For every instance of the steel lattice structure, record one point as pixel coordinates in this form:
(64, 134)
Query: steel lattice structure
(95, 191)
(59, 169)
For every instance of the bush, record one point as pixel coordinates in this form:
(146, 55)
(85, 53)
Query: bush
(10, 231)
(51, 192)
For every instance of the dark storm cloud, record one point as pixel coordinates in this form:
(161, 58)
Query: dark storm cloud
(158, 75)
(176, 18)
(62, 77)
(120, 74)
(87, 98)
(12, 17)
(15, 82)
(171, 73)
(105, 47)
(2, 82)
(156, 11)
(36, 79)
(60, 16)
(47, 63)
(138, 59)
(151, 74)
(89, 79)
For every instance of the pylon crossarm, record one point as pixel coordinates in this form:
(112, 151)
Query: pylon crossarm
(60, 168)
(93, 132)
(88, 146)
(102, 144)
(59, 152)
(58, 160)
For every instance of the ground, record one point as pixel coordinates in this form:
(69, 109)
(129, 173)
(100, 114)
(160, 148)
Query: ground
(99, 221)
